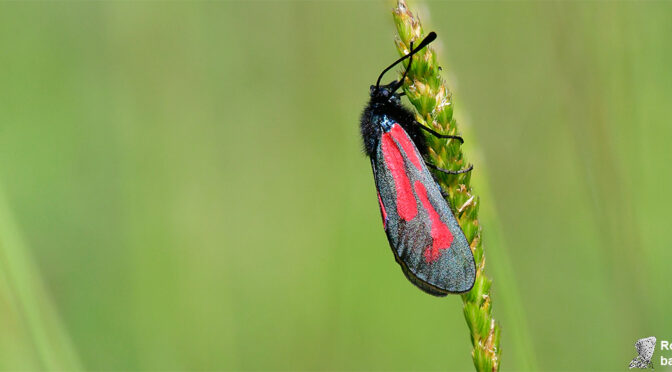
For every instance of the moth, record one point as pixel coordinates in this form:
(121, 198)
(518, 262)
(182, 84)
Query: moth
(423, 233)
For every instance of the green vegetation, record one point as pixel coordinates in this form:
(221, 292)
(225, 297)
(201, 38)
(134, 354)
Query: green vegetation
(185, 187)
(427, 91)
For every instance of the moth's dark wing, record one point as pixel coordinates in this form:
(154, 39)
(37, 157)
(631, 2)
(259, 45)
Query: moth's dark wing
(418, 224)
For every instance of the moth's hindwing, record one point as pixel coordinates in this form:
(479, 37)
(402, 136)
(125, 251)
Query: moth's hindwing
(424, 235)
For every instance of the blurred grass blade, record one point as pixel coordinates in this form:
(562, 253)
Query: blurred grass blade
(33, 336)
(520, 353)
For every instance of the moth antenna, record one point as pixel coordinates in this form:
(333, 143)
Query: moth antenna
(430, 37)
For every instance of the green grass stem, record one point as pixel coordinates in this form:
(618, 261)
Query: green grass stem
(427, 91)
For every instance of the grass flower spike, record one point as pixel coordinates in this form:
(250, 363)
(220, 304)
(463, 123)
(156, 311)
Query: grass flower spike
(427, 91)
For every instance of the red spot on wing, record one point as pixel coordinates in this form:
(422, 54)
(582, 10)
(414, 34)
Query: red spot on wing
(406, 204)
(382, 210)
(441, 235)
(409, 147)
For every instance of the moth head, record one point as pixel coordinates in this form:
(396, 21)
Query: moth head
(385, 93)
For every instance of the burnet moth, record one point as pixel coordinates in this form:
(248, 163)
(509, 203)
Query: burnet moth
(423, 233)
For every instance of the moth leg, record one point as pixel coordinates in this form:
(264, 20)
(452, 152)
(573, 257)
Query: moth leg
(447, 171)
(437, 134)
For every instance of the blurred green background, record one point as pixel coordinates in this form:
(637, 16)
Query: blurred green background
(183, 186)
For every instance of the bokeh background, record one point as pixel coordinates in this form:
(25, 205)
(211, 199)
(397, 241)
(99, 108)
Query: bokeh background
(182, 185)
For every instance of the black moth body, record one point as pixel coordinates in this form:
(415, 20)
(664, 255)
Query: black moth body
(423, 233)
